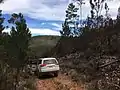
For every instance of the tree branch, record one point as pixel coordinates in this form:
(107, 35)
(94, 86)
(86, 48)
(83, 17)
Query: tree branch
(102, 66)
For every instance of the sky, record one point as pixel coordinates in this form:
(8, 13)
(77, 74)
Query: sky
(45, 17)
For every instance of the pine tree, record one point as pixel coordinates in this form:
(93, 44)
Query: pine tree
(96, 8)
(18, 41)
(17, 44)
(70, 21)
(1, 27)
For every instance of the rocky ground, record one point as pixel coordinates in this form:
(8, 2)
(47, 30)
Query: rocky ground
(96, 72)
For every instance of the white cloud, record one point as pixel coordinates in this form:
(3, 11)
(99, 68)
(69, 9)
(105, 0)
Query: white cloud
(49, 9)
(114, 7)
(57, 26)
(44, 31)
(39, 31)
(39, 9)
(10, 6)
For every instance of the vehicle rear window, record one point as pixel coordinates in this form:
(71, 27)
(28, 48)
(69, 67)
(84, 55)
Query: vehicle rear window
(51, 61)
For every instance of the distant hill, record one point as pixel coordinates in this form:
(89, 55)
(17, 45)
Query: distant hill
(41, 44)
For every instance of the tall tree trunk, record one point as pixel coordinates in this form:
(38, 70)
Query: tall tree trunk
(97, 20)
(17, 78)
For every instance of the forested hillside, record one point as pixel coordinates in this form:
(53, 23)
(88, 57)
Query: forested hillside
(42, 44)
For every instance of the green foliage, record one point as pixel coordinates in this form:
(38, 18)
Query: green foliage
(66, 29)
(18, 41)
(70, 13)
(70, 26)
(1, 27)
(71, 18)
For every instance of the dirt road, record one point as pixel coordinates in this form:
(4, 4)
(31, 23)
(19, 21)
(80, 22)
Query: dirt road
(61, 82)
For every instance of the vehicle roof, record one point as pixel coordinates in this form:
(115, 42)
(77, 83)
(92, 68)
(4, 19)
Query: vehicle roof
(46, 58)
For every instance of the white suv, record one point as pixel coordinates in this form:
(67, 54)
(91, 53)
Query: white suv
(48, 65)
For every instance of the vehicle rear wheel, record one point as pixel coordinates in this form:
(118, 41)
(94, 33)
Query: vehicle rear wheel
(36, 73)
(56, 74)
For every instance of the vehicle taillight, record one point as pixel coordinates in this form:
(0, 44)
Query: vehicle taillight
(42, 65)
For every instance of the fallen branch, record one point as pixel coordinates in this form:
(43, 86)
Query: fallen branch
(102, 66)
